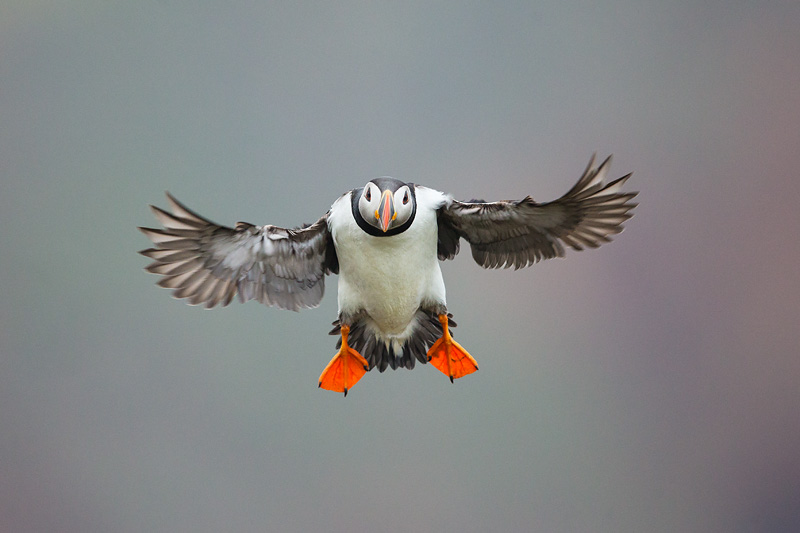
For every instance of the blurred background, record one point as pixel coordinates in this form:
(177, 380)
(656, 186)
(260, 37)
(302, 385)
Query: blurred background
(650, 385)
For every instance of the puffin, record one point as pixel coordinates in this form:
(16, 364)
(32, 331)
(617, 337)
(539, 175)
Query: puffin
(385, 241)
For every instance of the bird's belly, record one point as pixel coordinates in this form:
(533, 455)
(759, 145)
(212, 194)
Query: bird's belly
(389, 278)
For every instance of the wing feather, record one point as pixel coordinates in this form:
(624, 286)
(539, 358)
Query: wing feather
(519, 233)
(209, 264)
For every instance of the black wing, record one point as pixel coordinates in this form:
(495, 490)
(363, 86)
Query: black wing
(209, 264)
(520, 233)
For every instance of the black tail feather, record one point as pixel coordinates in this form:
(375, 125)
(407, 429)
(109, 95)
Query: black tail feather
(381, 356)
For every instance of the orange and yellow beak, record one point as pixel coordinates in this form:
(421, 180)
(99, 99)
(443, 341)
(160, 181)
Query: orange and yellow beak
(385, 213)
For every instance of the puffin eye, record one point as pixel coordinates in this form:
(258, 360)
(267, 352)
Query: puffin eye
(368, 195)
(405, 198)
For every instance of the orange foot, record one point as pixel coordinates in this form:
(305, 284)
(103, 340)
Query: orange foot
(345, 369)
(449, 357)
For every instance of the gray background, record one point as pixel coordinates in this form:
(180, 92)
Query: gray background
(651, 385)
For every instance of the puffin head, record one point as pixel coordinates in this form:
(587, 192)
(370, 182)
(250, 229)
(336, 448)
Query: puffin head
(385, 206)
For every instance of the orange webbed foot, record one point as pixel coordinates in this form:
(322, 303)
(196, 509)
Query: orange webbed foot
(345, 369)
(449, 356)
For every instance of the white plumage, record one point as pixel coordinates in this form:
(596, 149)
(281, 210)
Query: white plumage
(389, 278)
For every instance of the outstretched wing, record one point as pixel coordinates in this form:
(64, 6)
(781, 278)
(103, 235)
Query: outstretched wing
(520, 233)
(209, 264)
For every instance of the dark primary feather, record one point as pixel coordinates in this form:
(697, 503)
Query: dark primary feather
(209, 264)
(520, 233)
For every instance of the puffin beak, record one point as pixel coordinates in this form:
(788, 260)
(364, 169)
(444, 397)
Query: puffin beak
(385, 212)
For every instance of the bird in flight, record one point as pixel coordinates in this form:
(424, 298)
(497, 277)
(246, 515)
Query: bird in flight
(385, 241)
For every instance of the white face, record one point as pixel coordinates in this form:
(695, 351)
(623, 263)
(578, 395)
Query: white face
(378, 208)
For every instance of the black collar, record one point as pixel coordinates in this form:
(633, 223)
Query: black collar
(372, 230)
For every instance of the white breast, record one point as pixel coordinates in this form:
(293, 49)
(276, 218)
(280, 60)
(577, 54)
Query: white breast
(389, 277)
